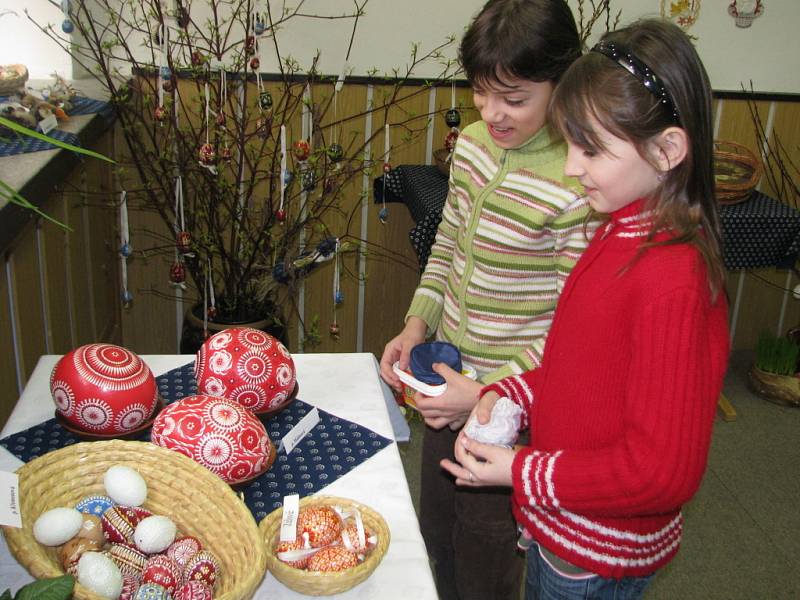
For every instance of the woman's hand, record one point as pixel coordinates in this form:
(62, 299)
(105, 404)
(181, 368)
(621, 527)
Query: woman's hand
(479, 465)
(398, 349)
(454, 406)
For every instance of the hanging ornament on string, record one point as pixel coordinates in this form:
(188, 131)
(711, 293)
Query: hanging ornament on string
(177, 272)
(125, 248)
(453, 119)
(210, 299)
(260, 25)
(67, 26)
(335, 151)
(183, 239)
(206, 152)
(221, 118)
(383, 215)
(280, 215)
(161, 114)
(338, 296)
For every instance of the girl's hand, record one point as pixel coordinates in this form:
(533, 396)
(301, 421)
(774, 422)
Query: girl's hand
(479, 465)
(398, 349)
(483, 410)
(454, 406)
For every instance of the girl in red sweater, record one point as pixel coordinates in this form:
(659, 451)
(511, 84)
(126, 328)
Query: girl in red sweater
(620, 412)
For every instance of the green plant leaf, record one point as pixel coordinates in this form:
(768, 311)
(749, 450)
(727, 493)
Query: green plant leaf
(6, 595)
(13, 196)
(40, 136)
(57, 588)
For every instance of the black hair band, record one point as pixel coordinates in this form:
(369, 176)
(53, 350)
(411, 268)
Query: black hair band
(627, 60)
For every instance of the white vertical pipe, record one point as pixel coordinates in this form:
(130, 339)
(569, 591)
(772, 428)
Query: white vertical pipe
(430, 128)
(43, 296)
(365, 203)
(12, 314)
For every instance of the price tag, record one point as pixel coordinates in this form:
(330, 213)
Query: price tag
(47, 124)
(291, 509)
(9, 500)
(299, 431)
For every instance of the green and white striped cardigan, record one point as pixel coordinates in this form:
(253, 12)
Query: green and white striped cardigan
(512, 229)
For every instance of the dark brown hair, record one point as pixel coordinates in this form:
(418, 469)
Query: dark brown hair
(597, 87)
(525, 39)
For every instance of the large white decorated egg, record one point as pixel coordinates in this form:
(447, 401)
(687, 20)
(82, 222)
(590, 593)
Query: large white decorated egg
(103, 389)
(57, 525)
(248, 366)
(217, 433)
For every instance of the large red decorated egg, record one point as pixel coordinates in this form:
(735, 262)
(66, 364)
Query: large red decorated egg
(103, 389)
(218, 433)
(248, 366)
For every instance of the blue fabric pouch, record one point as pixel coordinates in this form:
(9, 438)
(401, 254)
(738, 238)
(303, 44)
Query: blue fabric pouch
(424, 355)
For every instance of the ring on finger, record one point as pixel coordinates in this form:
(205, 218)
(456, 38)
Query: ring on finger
(471, 477)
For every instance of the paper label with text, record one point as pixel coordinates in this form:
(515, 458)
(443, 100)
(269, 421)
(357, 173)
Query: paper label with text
(9, 500)
(291, 508)
(299, 431)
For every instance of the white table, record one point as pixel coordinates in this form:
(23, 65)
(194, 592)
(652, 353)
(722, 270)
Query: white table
(346, 385)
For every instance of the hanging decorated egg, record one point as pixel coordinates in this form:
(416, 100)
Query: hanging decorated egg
(301, 150)
(262, 127)
(220, 119)
(165, 72)
(160, 114)
(207, 154)
(103, 389)
(183, 242)
(166, 85)
(288, 177)
(387, 167)
(248, 366)
(334, 329)
(383, 214)
(265, 100)
(308, 180)
(452, 117)
(338, 298)
(198, 59)
(280, 215)
(177, 272)
(260, 27)
(226, 155)
(255, 63)
(125, 250)
(335, 152)
(218, 434)
(127, 297)
(67, 26)
(330, 184)
(450, 140)
(212, 312)
(250, 45)
(183, 17)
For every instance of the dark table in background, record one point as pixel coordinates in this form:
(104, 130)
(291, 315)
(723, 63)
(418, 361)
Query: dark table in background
(757, 233)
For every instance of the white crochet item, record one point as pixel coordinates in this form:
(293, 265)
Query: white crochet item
(502, 428)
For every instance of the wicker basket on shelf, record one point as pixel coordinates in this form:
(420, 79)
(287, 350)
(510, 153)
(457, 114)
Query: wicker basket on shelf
(197, 501)
(736, 172)
(783, 389)
(317, 583)
(12, 78)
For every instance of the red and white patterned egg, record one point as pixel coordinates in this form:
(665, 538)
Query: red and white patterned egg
(217, 433)
(202, 567)
(320, 524)
(194, 590)
(164, 571)
(103, 389)
(292, 547)
(248, 366)
(119, 522)
(184, 548)
(332, 558)
(129, 559)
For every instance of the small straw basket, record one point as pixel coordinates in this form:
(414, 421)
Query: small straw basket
(324, 584)
(197, 501)
(736, 172)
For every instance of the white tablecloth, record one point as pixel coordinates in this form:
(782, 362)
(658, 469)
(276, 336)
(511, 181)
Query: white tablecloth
(346, 385)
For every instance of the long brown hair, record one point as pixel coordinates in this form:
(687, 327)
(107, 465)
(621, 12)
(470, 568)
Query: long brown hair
(597, 87)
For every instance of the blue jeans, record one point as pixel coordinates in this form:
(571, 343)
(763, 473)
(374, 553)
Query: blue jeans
(542, 582)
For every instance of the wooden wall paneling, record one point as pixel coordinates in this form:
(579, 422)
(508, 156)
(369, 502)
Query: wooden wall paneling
(57, 281)
(785, 139)
(79, 259)
(762, 297)
(392, 270)
(736, 124)
(342, 221)
(9, 391)
(26, 293)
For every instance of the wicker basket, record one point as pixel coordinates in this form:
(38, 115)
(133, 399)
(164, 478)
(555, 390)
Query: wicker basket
(783, 389)
(199, 503)
(736, 172)
(324, 584)
(441, 162)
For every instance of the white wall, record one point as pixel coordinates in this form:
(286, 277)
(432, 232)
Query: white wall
(768, 53)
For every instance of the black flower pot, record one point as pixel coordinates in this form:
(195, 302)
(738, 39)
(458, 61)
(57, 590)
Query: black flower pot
(193, 334)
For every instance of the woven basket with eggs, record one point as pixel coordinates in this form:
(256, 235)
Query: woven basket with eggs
(315, 583)
(197, 501)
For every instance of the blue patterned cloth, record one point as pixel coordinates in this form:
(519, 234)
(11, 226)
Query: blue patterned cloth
(332, 449)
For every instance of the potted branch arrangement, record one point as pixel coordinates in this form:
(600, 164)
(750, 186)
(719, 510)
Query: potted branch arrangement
(252, 175)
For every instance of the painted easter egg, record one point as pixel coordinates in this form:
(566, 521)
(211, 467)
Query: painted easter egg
(332, 558)
(321, 525)
(103, 389)
(164, 571)
(217, 433)
(248, 366)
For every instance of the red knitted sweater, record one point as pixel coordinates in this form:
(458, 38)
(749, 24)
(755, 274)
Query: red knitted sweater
(621, 410)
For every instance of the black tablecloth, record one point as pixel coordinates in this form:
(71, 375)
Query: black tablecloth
(758, 233)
